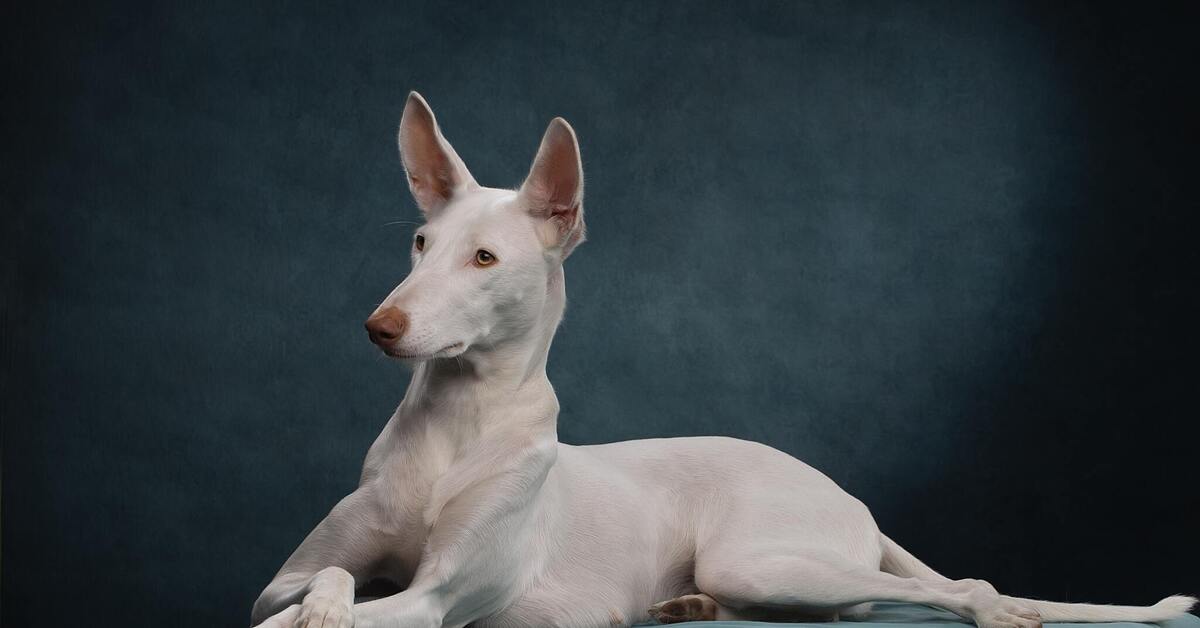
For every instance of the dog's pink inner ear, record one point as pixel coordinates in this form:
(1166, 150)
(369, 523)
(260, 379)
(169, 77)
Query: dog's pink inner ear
(554, 188)
(434, 169)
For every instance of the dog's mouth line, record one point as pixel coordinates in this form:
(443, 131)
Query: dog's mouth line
(420, 356)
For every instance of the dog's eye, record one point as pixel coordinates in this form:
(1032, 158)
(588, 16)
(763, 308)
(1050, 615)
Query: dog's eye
(419, 242)
(484, 258)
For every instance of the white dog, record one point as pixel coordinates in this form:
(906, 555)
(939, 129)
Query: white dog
(471, 505)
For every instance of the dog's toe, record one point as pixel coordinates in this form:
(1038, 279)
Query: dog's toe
(324, 613)
(1013, 617)
(698, 607)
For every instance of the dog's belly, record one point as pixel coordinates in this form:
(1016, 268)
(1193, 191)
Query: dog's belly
(725, 489)
(603, 554)
(625, 522)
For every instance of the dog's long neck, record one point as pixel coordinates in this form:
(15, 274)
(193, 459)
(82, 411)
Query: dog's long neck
(504, 387)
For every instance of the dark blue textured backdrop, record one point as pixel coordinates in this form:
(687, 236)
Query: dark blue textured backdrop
(940, 251)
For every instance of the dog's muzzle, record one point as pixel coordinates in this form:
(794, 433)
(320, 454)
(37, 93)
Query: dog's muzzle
(386, 326)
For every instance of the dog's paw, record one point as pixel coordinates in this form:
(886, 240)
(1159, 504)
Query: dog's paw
(698, 607)
(325, 612)
(1009, 616)
(283, 619)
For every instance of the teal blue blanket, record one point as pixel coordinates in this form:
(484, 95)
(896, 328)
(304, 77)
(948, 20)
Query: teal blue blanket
(915, 616)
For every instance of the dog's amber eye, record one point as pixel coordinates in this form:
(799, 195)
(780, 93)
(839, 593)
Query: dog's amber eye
(419, 242)
(484, 258)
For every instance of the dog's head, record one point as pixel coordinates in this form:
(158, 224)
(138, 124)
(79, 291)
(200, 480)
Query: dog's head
(482, 262)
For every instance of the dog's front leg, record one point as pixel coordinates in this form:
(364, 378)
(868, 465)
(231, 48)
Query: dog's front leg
(480, 549)
(453, 586)
(321, 599)
(315, 587)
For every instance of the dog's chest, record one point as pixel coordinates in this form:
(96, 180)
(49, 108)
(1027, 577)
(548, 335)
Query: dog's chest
(401, 484)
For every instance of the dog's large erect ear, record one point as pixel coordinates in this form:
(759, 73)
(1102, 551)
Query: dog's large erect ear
(553, 190)
(435, 172)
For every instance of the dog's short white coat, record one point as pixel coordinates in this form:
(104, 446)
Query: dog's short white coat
(468, 501)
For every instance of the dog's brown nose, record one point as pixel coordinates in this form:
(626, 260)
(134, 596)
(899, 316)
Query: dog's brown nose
(386, 326)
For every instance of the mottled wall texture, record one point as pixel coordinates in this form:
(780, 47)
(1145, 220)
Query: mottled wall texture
(942, 251)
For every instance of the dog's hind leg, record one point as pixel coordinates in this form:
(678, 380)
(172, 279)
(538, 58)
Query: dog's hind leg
(702, 607)
(811, 583)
